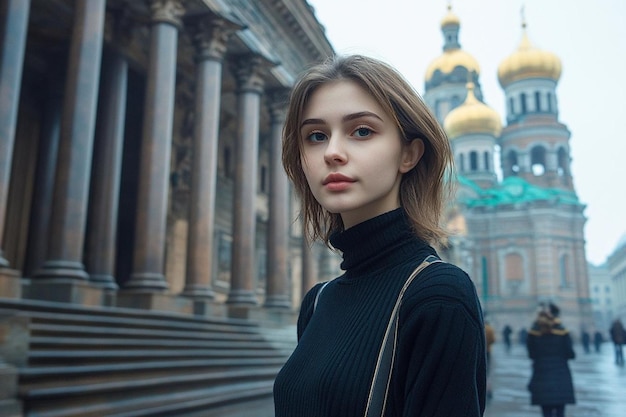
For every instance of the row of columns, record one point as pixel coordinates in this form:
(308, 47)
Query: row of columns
(72, 227)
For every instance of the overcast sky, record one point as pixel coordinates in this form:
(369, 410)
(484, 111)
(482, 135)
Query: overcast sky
(588, 36)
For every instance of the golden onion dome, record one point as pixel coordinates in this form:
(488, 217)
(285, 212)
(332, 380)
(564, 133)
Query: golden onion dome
(472, 116)
(450, 19)
(528, 62)
(451, 59)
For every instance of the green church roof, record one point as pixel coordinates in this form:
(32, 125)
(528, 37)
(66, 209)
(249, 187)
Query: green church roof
(512, 190)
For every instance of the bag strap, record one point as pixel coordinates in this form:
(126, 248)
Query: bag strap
(317, 296)
(377, 398)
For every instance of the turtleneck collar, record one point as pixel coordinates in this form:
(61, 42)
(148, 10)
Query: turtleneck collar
(378, 242)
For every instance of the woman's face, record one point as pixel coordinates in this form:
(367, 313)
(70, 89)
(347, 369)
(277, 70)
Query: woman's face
(353, 156)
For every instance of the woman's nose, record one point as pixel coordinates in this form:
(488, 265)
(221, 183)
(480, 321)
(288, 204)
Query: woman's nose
(335, 152)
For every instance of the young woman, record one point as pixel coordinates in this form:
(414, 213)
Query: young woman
(369, 163)
(550, 348)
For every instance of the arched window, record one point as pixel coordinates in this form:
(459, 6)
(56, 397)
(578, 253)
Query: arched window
(549, 95)
(563, 270)
(522, 99)
(537, 101)
(486, 160)
(462, 162)
(512, 165)
(473, 161)
(512, 105)
(538, 160)
(563, 162)
(514, 267)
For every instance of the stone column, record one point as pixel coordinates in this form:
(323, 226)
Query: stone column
(150, 232)
(243, 267)
(211, 36)
(15, 27)
(49, 136)
(71, 192)
(277, 291)
(309, 266)
(107, 172)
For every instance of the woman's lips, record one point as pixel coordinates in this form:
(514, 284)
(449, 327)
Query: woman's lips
(337, 182)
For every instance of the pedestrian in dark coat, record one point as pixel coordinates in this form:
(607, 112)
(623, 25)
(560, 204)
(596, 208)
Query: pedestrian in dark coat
(550, 347)
(618, 336)
(586, 338)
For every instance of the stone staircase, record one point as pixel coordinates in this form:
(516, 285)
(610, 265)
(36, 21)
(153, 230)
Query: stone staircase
(125, 362)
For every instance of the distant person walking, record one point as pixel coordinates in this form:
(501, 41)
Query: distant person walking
(598, 339)
(550, 347)
(618, 336)
(506, 336)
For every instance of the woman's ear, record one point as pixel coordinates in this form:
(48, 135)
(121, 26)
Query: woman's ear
(411, 154)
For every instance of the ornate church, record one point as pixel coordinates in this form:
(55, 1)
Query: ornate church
(517, 223)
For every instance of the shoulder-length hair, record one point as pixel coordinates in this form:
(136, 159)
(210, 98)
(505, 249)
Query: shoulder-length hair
(423, 190)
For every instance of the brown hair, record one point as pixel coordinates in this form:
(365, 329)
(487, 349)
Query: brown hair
(423, 190)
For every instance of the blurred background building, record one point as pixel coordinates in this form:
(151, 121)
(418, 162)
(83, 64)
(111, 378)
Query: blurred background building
(518, 223)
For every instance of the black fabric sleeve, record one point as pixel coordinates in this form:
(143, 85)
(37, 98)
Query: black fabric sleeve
(442, 355)
(306, 309)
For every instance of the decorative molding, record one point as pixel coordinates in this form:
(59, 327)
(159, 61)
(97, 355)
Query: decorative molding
(277, 101)
(210, 36)
(249, 71)
(167, 11)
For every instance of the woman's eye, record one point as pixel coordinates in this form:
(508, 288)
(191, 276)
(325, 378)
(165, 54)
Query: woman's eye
(362, 132)
(316, 137)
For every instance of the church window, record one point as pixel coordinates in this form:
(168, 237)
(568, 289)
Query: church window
(462, 162)
(563, 270)
(512, 163)
(522, 99)
(549, 102)
(473, 161)
(537, 101)
(512, 105)
(538, 160)
(486, 160)
(513, 271)
(263, 180)
(563, 162)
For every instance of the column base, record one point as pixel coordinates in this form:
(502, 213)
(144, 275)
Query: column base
(61, 269)
(10, 283)
(242, 298)
(154, 301)
(277, 301)
(71, 291)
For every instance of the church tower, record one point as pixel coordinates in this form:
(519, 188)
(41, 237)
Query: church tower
(473, 128)
(520, 237)
(534, 144)
(447, 75)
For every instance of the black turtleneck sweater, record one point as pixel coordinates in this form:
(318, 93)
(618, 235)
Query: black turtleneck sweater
(439, 368)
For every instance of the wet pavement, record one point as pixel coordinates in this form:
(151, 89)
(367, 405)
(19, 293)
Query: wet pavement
(600, 384)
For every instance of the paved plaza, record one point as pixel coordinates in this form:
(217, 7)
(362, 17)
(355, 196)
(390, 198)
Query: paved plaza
(600, 384)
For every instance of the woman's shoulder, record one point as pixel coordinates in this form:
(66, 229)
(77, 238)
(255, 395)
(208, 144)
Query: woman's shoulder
(442, 283)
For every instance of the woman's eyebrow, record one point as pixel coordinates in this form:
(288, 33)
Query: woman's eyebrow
(346, 118)
(360, 114)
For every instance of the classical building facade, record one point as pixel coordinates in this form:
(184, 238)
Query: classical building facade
(141, 186)
(616, 264)
(517, 220)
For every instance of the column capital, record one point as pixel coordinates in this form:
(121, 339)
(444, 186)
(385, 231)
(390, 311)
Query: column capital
(249, 71)
(277, 101)
(167, 11)
(210, 35)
